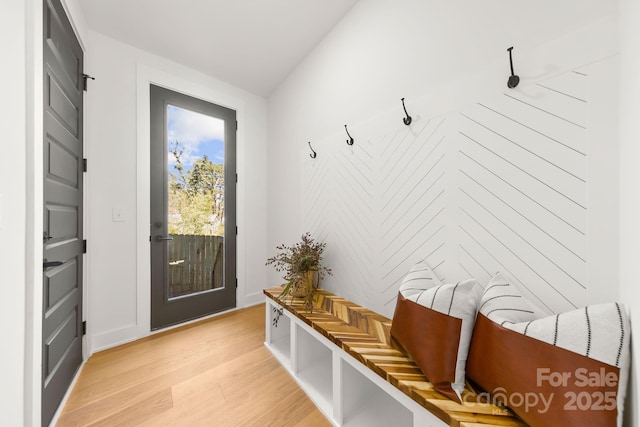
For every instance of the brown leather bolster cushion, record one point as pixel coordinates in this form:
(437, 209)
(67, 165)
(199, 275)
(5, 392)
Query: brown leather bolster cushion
(543, 384)
(431, 339)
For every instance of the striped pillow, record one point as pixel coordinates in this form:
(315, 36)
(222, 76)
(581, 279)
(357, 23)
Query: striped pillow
(434, 325)
(503, 302)
(419, 278)
(600, 332)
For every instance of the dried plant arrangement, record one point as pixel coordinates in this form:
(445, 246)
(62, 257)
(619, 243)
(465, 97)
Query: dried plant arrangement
(303, 268)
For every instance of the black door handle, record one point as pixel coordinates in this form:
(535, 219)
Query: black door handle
(47, 264)
(161, 238)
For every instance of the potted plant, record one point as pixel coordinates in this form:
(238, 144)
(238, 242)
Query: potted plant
(302, 264)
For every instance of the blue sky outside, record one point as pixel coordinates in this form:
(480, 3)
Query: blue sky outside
(199, 134)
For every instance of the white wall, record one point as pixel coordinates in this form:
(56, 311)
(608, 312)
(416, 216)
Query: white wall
(383, 51)
(13, 209)
(118, 264)
(442, 58)
(472, 191)
(629, 87)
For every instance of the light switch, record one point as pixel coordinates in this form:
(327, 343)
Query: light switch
(118, 215)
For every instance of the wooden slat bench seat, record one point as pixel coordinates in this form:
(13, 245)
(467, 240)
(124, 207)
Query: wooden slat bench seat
(365, 335)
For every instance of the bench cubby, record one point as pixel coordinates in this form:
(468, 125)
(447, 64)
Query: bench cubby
(313, 366)
(279, 334)
(364, 403)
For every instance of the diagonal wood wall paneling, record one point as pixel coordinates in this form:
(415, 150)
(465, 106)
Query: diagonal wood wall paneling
(499, 186)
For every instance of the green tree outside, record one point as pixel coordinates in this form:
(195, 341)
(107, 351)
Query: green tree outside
(196, 198)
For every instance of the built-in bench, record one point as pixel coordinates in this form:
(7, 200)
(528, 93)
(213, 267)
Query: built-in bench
(340, 354)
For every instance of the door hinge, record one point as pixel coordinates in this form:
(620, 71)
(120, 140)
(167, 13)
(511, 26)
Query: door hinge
(236, 125)
(236, 230)
(84, 80)
(236, 282)
(84, 327)
(84, 165)
(84, 246)
(236, 178)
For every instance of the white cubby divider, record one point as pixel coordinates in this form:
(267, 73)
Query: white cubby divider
(347, 392)
(278, 333)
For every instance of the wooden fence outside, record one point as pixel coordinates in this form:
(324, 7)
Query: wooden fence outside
(195, 263)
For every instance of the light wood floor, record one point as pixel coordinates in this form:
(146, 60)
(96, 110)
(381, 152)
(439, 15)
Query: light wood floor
(212, 373)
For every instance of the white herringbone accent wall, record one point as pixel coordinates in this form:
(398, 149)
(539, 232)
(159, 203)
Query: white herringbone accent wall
(522, 164)
(500, 185)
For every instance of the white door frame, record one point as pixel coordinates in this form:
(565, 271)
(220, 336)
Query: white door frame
(147, 75)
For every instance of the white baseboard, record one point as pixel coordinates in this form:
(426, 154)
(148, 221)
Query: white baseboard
(110, 339)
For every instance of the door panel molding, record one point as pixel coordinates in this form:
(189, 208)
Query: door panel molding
(62, 208)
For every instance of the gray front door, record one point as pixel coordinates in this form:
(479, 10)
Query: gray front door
(63, 239)
(193, 216)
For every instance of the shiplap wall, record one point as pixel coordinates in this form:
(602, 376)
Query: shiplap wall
(499, 185)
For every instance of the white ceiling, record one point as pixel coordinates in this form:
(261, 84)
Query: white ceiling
(251, 44)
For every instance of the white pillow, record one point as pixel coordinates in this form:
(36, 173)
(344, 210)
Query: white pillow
(419, 278)
(503, 303)
(459, 300)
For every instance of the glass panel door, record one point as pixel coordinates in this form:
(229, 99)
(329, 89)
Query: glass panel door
(192, 208)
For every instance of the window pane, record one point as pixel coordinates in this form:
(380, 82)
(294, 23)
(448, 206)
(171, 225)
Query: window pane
(195, 216)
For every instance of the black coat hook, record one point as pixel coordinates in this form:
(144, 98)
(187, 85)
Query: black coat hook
(406, 120)
(350, 140)
(513, 79)
(313, 156)
(84, 80)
